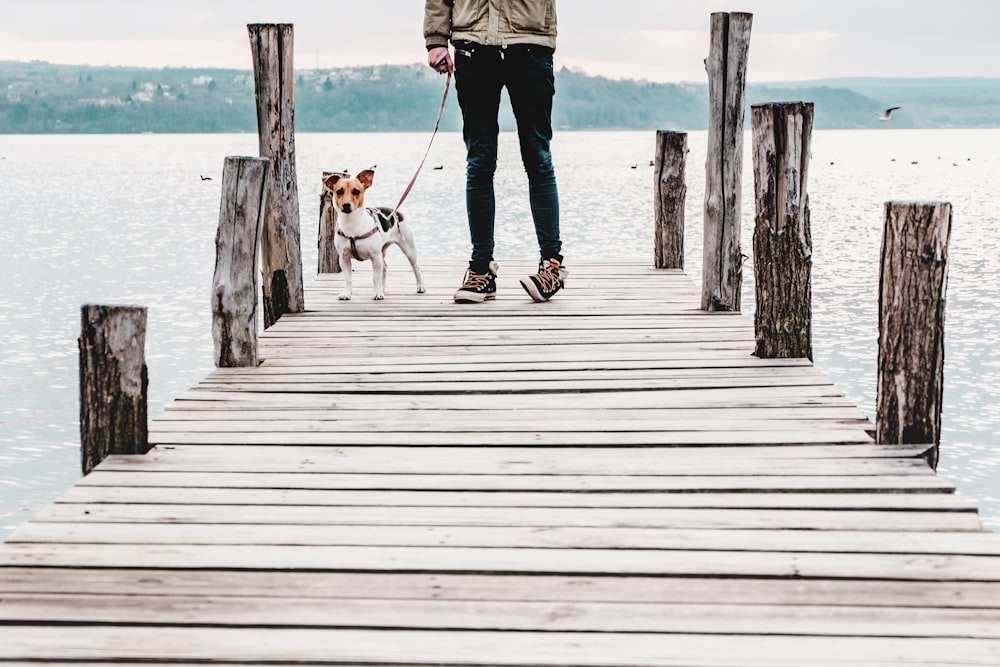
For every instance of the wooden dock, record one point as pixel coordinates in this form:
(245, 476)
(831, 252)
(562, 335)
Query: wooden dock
(606, 479)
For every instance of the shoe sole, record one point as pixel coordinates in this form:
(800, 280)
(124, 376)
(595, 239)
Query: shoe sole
(471, 297)
(532, 291)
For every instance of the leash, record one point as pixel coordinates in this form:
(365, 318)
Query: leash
(437, 124)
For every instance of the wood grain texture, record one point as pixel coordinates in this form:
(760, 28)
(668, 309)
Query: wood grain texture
(271, 45)
(605, 479)
(670, 188)
(782, 238)
(912, 285)
(235, 282)
(114, 383)
(722, 267)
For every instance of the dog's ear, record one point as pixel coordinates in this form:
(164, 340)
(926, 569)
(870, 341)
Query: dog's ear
(332, 180)
(366, 177)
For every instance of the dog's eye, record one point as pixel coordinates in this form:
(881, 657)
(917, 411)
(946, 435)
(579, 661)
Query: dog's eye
(355, 192)
(340, 192)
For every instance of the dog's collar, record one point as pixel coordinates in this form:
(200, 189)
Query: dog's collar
(355, 239)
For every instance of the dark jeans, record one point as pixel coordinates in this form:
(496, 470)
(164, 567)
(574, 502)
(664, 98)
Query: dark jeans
(480, 73)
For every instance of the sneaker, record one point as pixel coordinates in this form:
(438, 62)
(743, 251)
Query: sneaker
(478, 287)
(550, 279)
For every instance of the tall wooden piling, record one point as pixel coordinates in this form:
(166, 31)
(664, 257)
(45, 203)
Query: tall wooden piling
(912, 287)
(670, 187)
(114, 383)
(722, 277)
(327, 259)
(782, 240)
(235, 283)
(281, 253)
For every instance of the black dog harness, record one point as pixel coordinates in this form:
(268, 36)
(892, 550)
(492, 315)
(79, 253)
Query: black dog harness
(355, 239)
(387, 219)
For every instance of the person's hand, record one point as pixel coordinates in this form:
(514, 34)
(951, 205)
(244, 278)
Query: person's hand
(439, 58)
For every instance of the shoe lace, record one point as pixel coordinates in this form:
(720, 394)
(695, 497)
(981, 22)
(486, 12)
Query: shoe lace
(548, 276)
(475, 280)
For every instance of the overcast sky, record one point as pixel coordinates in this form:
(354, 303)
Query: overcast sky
(657, 40)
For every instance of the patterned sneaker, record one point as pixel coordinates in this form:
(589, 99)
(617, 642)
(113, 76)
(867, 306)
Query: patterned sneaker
(550, 279)
(478, 287)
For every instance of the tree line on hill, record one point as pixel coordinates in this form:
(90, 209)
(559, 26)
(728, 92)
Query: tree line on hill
(40, 97)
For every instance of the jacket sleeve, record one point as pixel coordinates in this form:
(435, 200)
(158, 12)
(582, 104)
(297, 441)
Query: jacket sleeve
(437, 22)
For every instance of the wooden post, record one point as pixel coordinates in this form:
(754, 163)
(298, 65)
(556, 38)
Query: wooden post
(722, 277)
(235, 283)
(281, 253)
(782, 240)
(328, 260)
(912, 289)
(113, 383)
(671, 195)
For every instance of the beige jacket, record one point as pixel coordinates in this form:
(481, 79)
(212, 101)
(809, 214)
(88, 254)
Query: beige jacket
(490, 22)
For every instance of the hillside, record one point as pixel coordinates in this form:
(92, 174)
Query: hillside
(40, 97)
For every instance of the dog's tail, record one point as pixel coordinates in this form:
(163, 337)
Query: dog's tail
(387, 219)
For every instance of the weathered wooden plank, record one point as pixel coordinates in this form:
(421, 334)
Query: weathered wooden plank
(715, 460)
(633, 515)
(528, 385)
(459, 424)
(582, 439)
(150, 644)
(678, 518)
(603, 460)
(509, 587)
(898, 567)
(616, 335)
(554, 616)
(199, 398)
(528, 349)
(679, 367)
(517, 321)
(132, 475)
(560, 537)
(445, 414)
(614, 377)
(324, 497)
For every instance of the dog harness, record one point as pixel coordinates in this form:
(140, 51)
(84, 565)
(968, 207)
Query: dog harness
(355, 239)
(387, 218)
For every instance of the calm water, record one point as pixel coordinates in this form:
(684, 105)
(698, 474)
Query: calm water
(128, 220)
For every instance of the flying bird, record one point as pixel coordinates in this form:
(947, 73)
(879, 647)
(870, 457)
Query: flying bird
(887, 114)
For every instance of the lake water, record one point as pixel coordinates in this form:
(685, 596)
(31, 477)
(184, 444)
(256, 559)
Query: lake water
(127, 219)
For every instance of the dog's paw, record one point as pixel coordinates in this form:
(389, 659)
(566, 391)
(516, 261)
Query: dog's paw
(421, 289)
(378, 297)
(346, 296)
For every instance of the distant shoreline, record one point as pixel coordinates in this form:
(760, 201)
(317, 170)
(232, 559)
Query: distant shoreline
(44, 98)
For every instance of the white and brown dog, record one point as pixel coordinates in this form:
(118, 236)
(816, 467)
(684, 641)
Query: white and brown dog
(366, 233)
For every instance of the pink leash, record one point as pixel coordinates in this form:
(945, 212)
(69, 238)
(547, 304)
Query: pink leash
(437, 123)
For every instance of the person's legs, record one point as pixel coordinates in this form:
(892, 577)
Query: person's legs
(530, 81)
(478, 82)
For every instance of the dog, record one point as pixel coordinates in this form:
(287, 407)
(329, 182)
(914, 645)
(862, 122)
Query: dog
(366, 233)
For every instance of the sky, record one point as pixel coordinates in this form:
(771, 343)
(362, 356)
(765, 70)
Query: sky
(654, 40)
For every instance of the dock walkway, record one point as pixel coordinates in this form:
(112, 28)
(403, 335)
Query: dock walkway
(606, 479)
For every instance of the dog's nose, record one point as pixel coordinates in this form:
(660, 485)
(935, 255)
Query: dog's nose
(346, 208)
